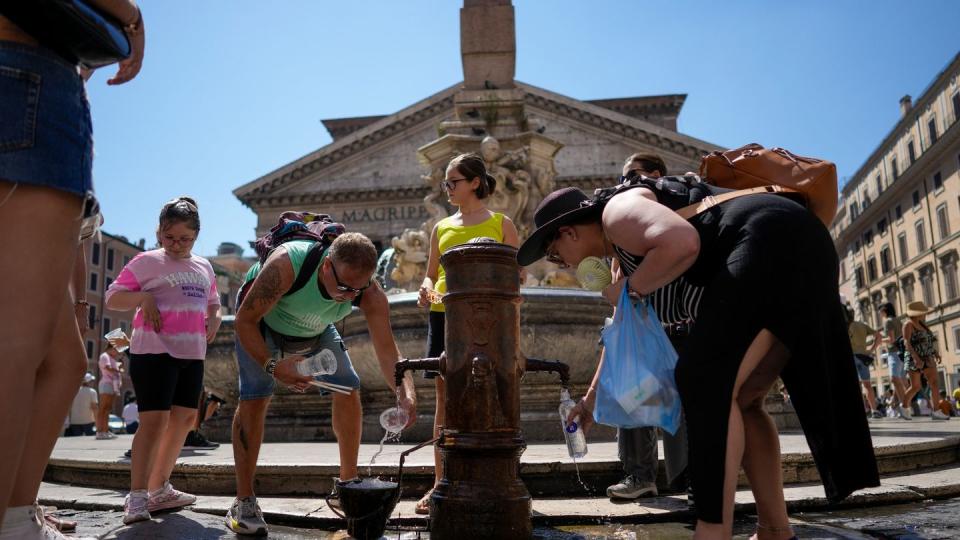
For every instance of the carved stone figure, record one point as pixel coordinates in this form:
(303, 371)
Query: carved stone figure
(411, 249)
(513, 181)
(433, 199)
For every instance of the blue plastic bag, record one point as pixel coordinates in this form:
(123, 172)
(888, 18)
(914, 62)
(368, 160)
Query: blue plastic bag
(636, 385)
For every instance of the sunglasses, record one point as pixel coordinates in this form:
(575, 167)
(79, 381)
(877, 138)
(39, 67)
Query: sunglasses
(451, 184)
(346, 288)
(552, 255)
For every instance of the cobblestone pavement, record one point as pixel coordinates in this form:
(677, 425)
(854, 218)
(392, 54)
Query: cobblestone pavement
(927, 520)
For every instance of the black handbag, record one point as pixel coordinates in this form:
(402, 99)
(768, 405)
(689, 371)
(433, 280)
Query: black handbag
(75, 30)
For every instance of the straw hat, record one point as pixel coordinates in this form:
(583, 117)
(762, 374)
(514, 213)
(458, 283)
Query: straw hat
(917, 309)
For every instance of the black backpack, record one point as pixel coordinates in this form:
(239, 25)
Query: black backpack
(319, 228)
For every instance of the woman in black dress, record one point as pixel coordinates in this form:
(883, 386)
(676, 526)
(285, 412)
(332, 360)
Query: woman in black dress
(758, 275)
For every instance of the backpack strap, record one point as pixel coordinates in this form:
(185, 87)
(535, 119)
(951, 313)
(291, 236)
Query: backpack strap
(310, 264)
(710, 201)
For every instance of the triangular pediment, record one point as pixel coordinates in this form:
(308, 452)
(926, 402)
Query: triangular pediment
(381, 157)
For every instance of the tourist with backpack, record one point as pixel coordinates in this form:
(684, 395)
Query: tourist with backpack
(174, 293)
(769, 307)
(302, 285)
(467, 184)
(922, 357)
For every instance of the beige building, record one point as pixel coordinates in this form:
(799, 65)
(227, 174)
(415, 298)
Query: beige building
(106, 257)
(898, 227)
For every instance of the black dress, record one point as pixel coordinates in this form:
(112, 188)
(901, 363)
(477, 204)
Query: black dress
(764, 262)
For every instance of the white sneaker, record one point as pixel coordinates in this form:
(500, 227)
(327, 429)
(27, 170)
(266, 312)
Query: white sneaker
(105, 436)
(938, 415)
(906, 413)
(167, 498)
(630, 488)
(135, 507)
(245, 517)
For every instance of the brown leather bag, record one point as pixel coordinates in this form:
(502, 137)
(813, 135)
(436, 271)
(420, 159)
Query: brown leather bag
(753, 166)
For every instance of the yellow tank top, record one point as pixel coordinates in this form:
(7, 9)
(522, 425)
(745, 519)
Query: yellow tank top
(449, 235)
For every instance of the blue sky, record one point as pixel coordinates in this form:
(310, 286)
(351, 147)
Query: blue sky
(232, 90)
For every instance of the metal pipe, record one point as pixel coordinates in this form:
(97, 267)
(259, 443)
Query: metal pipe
(403, 366)
(537, 364)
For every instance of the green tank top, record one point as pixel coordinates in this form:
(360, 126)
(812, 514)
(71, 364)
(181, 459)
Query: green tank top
(305, 313)
(449, 235)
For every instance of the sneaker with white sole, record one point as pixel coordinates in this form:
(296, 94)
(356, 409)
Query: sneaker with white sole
(245, 517)
(938, 415)
(135, 507)
(167, 498)
(28, 523)
(906, 413)
(630, 488)
(105, 436)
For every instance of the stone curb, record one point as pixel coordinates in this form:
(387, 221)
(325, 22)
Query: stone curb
(312, 512)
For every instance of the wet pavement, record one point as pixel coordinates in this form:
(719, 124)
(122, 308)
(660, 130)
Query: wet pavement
(925, 520)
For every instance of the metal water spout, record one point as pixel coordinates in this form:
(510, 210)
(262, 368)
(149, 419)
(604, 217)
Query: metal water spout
(481, 494)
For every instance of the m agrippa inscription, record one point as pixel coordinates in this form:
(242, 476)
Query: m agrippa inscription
(384, 213)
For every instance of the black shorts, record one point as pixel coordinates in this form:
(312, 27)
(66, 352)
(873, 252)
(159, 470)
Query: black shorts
(162, 381)
(435, 339)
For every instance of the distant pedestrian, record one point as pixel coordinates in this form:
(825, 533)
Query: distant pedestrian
(892, 331)
(177, 307)
(111, 371)
(922, 357)
(863, 357)
(83, 412)
(131, 415)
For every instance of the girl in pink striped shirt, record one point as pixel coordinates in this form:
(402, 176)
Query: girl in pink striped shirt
(178, 313)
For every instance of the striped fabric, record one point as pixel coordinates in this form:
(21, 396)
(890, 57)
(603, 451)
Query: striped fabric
(675, 302)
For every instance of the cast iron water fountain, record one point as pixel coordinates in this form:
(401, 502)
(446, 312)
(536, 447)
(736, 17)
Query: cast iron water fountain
(481, 494)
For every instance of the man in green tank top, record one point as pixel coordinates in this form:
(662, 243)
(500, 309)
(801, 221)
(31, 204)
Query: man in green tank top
(276, 331)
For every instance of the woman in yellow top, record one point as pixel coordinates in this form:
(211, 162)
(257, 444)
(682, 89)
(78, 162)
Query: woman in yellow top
(467, 185)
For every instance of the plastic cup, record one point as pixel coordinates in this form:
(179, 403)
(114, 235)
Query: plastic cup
(321, 363)
(117, 335)
(394, 419)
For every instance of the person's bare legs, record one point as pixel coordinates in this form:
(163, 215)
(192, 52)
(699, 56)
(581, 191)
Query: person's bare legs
(103, 412)
(33, 287)
(933, 380)
(438, 420)
(348, 425)
(247, 437)
(146, 442)
(913, 388)
(53, 394)
(900, 390)
(179, 423)
(869, 398)
(764, 466)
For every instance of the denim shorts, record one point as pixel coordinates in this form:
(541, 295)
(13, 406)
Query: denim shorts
(862, 369)
(895, 364)
(46, 137)
(256, 383)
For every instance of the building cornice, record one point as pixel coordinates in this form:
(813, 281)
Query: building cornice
(908, 120)
(346, 196)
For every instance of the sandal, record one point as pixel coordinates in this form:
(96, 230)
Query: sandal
(423, 505)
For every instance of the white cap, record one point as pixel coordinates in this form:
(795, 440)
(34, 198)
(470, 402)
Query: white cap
(89, 377)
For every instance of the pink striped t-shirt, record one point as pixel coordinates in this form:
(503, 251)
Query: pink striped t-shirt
(182, 289)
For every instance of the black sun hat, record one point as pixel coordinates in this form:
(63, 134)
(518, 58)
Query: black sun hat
(557, 209)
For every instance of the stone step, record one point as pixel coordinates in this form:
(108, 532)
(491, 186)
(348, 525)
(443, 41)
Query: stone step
(943, 482)
(296, 469)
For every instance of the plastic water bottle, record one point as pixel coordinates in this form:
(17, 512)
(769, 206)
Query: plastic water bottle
(576, 442)
(393, 419)
(323, 362)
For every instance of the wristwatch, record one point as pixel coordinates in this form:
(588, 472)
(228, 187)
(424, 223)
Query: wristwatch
(271, 365)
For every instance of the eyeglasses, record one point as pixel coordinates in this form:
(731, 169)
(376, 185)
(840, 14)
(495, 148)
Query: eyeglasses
(552, 255)
(451, 184)
(346, 288)
(183, 240)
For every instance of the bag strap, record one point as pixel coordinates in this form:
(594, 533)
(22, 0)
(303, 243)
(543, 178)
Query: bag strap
(310, 264)
(710, 201)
